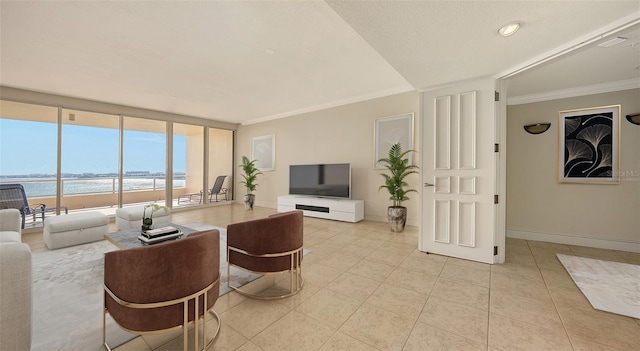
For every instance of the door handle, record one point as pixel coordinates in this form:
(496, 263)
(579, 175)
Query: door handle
(426, 185)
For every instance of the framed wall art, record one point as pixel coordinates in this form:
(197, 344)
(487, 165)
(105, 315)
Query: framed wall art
(589, 145)
(263, 150)
(391, 130)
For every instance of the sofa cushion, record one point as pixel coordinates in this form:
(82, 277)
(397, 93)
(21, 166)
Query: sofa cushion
(75, 221)
(10, 220)
(10, 237)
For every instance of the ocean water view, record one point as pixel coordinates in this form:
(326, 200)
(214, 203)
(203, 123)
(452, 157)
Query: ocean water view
(45, 187)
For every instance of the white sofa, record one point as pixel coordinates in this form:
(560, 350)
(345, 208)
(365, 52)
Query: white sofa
(15, 284)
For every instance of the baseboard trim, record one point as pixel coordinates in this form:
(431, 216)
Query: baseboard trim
(600, 243)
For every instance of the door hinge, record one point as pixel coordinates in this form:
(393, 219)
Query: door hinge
(495, 251)
(496, 96)
(496, 147)
(495, 199)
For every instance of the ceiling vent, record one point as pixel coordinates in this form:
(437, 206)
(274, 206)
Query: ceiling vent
(612, 42)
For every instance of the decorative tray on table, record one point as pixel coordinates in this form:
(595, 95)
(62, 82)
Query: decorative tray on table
(158, 235)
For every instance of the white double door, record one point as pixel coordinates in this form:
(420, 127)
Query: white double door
(459, 166)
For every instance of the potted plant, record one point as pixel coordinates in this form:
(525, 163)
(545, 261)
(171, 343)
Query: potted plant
(250, 175)
(395, 183)
(147, 222)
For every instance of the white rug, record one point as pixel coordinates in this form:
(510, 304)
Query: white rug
(67, 296)
(609, 286)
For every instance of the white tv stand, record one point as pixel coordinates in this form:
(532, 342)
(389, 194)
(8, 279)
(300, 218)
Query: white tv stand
(337, 209)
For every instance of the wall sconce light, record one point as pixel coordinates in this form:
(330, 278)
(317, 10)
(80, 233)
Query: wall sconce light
(634, 118)
(537, 128)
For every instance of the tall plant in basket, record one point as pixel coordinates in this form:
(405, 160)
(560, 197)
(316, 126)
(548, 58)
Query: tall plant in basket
(250, 175)
(399, 168)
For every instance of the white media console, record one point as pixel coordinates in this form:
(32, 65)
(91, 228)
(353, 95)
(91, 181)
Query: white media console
(337, 209)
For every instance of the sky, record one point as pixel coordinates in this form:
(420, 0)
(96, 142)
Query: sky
(30, 148)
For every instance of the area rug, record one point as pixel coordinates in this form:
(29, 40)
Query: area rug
(609, 286)
(67, 295)
(238, 277)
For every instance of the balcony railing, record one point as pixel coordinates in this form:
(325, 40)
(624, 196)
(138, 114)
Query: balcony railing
(46, 187)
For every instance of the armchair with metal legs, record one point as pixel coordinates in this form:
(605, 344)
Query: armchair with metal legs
(268, 245)
(163, 287)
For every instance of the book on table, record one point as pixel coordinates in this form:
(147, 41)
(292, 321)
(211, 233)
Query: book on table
(157, 235)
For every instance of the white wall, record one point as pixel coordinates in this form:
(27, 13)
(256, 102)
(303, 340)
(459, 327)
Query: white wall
(540, 208)
(340, 134)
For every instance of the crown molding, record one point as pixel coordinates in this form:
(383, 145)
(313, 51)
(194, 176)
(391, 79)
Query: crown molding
(574, 92)
(585, 40)
(356, 99)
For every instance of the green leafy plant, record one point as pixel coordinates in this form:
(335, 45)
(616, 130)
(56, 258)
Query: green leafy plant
(250, 174)
(400, 168)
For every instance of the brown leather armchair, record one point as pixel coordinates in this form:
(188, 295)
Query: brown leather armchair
(268, 245)
(158, 288)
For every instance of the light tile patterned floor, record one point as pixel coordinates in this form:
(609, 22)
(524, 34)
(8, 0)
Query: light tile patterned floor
(369, 289)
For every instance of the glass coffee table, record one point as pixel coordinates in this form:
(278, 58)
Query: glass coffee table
(128, 239)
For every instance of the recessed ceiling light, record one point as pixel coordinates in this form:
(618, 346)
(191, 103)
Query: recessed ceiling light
(510, 28)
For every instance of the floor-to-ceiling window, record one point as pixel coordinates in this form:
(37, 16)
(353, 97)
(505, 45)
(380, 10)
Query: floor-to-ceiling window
(83, 158)
(28, 151)
(221, 160)
(144, 160)
(89, 159)
(188, 157)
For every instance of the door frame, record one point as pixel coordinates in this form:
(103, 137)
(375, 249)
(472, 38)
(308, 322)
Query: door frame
(500, 237)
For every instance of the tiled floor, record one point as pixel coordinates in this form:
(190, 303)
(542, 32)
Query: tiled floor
(369, 289)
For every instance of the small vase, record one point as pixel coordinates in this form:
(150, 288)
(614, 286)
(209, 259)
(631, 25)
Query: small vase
(248, 201)
(147, 223)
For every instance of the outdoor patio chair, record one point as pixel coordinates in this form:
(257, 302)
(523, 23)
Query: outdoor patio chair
(13, 196)
(216, 190)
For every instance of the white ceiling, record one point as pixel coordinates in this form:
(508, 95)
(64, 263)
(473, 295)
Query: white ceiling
(245, 62)
(589, 66)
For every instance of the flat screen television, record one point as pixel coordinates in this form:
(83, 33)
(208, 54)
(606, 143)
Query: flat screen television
(322, 180)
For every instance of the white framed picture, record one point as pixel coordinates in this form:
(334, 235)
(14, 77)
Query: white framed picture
(263, 150)
(389, 131)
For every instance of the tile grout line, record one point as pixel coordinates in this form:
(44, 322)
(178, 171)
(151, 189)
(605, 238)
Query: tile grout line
(423, 306)
(551, 297)
(337, 330)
